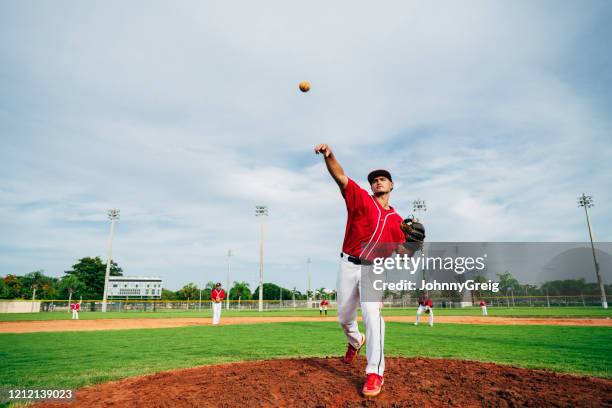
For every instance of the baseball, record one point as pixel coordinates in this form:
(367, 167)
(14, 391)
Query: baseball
(304, 86)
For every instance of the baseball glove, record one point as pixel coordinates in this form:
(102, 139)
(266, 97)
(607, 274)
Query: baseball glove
(427, 311)
(414, 232)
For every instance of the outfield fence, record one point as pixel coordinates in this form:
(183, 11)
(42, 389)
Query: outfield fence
(157, 305)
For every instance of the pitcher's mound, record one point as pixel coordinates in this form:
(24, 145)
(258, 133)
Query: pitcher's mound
(327, 382)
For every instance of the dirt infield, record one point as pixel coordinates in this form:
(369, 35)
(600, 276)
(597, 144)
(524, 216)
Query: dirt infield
(319, 382)
(151, 323)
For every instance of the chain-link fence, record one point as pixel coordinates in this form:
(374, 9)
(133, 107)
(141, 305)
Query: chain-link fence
(143, 305)
(174, 305)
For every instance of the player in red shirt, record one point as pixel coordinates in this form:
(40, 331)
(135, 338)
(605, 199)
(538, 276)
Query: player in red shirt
(425, 305)
(483, 307)
(217, 295)
(75, 307)
(370, 221)
(323, 307)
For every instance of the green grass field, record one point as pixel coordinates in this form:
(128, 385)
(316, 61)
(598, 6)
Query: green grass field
(75, 359)
(584, 312)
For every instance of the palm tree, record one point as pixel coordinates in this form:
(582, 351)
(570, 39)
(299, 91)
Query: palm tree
(240, 290)
(34, 280)
(72, 284)
(479, 279)
(320, 293)
(189, 291)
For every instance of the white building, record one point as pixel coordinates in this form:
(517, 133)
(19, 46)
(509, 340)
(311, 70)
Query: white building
(134, 287)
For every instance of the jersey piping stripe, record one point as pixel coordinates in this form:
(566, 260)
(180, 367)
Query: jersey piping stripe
(377, 223)
(380, 233)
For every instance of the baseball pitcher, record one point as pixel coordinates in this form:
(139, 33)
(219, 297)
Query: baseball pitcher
(370, 220)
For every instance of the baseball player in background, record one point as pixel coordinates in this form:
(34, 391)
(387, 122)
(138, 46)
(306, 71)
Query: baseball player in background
(75, 307)
(370, 220)
(483, 307)
(217, 295)
(425, 305)
(323, 307)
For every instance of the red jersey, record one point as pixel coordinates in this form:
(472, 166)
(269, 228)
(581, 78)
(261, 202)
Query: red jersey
(371, 231)
(482, 303)
(427, 302)
(324, 302)
(217, 294)
(75, 306)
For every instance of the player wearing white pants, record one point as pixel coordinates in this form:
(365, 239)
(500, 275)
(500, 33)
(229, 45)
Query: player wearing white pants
(425, 305)
(483, 307)
(75, 307)
(217, 295)
(348, 286)
(216, 307)
(323, 307)
(370, 221)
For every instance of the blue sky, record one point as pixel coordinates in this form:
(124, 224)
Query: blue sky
(185, 116)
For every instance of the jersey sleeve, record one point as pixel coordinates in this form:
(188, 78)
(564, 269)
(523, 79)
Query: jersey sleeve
(354, 196)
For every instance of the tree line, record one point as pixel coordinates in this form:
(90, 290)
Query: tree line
(510, 286)
(86, 280)
(242, 291)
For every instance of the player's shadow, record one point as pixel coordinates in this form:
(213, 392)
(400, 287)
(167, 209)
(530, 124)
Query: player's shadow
(352, 377)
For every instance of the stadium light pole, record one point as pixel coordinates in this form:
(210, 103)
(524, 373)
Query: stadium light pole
(261, 211)
(200, 302)
(113, 215)
(419, 206)
(587, 202)
(229, 256)
(308, 274)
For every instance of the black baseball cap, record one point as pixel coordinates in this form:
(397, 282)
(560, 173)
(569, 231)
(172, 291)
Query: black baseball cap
(378, 173)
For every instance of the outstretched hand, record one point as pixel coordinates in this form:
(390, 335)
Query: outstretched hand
(323, 149)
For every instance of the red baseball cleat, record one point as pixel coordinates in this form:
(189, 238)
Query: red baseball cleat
(351, 352)
(373, 385)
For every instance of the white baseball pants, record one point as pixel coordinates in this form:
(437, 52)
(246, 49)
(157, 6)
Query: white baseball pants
(216, 307)
(418, 316)
(75, 315)
(349, 299)
(419, 311)
(484, 310)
